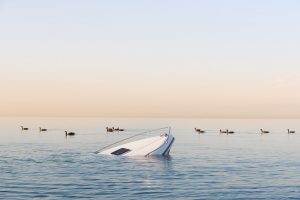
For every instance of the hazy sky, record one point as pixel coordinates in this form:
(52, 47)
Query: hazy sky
(151, 58)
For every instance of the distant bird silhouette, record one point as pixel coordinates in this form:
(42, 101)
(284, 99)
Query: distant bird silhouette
(24, 129)
(69, 133)
(222, 131)
(291, 131)
(110, 129)
(199, 130)
(263, 131)
(229, 132)
(118, 129)
(42, 129)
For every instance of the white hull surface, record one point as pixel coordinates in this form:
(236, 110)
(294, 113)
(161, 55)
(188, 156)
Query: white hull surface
(152, 146)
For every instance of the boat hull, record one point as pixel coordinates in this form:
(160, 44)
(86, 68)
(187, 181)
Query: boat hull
(153, 146)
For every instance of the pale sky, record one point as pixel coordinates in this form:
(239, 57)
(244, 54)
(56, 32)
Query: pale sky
(154, 58)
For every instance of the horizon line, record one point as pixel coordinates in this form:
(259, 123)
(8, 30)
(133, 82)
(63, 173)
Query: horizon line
(149, 117)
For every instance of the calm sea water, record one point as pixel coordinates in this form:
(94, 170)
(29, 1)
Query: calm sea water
(246, 165)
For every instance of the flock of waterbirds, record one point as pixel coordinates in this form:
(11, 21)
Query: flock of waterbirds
(44, 129)
(262, 131)
(108, 130)
(198, 130)
(113, 129)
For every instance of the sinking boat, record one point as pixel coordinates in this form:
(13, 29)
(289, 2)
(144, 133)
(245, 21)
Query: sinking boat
(151, 146)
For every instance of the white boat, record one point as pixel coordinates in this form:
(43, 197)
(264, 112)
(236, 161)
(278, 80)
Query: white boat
(151, 146)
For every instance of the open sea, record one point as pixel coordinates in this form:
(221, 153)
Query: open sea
(245, 165)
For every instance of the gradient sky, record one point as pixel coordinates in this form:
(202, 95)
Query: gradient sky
(151, 58)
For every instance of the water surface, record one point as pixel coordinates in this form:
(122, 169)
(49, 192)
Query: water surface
(246, 165)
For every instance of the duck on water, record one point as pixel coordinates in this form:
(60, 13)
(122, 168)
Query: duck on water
(69, 133)
(199, 130)
(24, 129)
(263, 131)
(42, 129)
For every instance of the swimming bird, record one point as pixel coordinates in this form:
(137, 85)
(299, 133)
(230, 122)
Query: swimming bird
(42, 129)
(69, 133)
(199, 130)
(291, 131)
(118, 129)
(263, 131)
(222, 131)
(24, 129)
(229, 132)
(110, 129)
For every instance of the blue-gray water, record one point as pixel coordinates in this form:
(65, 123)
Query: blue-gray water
(246, 165)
